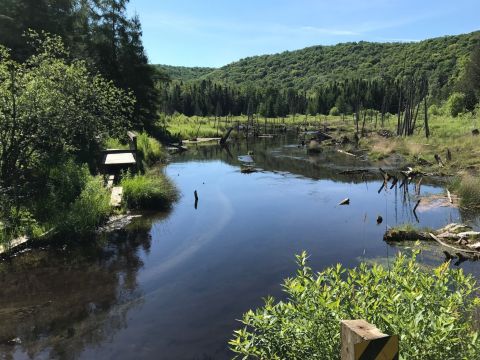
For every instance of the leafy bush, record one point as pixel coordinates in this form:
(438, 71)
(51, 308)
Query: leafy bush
(65, 182)
(60, 108)
(434, 110)
(455, 104)
(18, 222)
(149, 148)
(150, 191)
(431, 312)
(334, 111)
(70, 201)
(89, 209)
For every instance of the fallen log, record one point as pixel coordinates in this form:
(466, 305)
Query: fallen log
(321, 136)
(458, 237)
(394, 235)
(346, 153)
(453, 247)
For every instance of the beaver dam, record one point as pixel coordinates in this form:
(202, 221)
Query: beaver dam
(174, 282)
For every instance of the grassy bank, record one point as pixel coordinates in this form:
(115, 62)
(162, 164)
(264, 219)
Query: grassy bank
(71, 202)
(185, 127)
(446, 133)
(152, 190)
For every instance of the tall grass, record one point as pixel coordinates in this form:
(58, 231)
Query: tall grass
(149, 191)
(468, 188)
(112, 143)
(88, 210)
(185, 127)
(150, 150)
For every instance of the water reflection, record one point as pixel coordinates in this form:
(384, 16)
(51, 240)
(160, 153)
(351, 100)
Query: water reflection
(54, 302)
(172, 285)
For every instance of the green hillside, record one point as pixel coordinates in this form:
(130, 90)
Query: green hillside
(183, 73)
(442, 58)
(316, 79)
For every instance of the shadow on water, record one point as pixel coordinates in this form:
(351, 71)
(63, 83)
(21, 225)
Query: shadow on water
(172, 285)
(55, 302)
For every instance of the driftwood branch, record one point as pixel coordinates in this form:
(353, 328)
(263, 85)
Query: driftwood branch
(453, 247)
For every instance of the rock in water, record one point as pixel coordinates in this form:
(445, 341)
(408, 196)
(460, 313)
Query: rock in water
(379, 219)
(345, 202)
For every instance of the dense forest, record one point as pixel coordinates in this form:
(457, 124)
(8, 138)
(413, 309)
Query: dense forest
(183, 73)
(97, 31)
(314, 80)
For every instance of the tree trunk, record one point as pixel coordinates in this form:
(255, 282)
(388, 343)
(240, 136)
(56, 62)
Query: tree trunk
(427, 129)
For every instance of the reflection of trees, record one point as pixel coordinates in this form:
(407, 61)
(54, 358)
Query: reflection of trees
(55, 302)
(282, 154)
(278, 154)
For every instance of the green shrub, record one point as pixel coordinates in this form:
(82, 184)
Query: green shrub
(431, 311)
(18, 222)
(455, 104)
(88, 210)
(150, 191)
(334, 111)
(150, 150)
(434, 110)
(62, 184)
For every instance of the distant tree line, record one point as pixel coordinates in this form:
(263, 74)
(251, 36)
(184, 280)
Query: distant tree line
(205, 98)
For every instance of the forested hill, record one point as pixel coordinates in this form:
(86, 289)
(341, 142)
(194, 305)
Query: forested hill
(183, 73)
(442, 58)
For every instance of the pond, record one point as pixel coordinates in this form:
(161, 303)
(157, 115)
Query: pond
(173, 284)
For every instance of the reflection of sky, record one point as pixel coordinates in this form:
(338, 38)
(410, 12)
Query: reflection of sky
(213, 263)
(178, 294)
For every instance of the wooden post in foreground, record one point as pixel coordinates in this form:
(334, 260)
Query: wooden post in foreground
(363, 341)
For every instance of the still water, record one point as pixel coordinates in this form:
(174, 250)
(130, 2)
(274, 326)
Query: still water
(172, 285)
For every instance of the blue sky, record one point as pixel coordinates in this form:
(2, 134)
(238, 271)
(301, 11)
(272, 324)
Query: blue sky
(217, 32)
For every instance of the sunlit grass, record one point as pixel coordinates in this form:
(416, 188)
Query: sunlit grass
(468, 188)
(150, 191)
(150, 149)
(446, 133)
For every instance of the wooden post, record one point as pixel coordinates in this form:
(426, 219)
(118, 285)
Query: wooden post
(133, 140)
(363, 341)
(133, 146)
